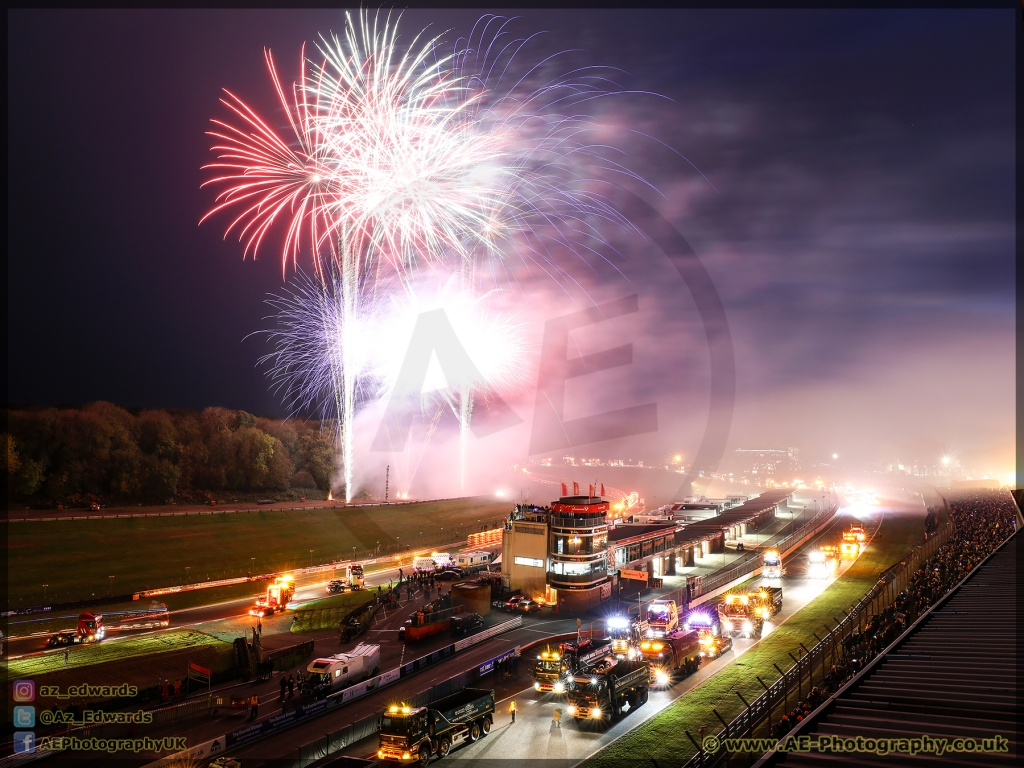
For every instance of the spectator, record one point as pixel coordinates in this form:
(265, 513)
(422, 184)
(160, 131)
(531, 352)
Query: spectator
(254, 707)
(284, 685)
(291, 687)
(512, 709)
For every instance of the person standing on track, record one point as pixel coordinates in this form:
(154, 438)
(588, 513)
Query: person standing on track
(512, 709)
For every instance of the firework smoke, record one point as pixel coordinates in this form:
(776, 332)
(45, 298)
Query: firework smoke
(401, 157)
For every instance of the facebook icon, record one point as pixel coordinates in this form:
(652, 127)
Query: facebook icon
(24, 741)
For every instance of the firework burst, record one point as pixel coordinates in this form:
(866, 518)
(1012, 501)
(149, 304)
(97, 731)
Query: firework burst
(400, 157)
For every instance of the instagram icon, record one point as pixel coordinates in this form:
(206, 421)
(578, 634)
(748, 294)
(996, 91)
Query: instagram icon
(24, 690)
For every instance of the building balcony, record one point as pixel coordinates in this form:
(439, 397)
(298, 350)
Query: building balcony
(554, 579)
(557, 521)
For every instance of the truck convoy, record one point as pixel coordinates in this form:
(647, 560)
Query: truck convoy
(278, 595)
(772, 565)
(600, 695)
(626, 633)
(676, 652)
(554, 667)
(744, 612)
(341, 670)
(410, 734)
(662, 618)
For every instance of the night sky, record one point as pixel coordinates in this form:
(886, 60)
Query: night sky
(854, 207)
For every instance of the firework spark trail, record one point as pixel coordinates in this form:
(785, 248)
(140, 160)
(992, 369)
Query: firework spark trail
(401, 157)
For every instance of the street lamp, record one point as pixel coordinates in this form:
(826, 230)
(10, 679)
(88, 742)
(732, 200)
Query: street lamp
(186, 573)
(311, 558)
(44, 592)
(353, 554)
(252, 565)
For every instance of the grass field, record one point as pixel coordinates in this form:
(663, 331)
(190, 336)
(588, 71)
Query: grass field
(128, 648)
(326, 612)
(662, 737)
(76, 558)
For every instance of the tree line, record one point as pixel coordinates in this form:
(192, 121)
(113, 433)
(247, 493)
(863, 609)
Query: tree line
(101, 451)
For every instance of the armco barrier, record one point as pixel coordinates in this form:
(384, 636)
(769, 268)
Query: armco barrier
(261, 728)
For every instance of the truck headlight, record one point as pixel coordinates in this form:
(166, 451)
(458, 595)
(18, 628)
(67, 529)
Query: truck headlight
(661, 677)
(595, 712)
(727, 626)
(559, 687)
(405, 755)
(747, 626)
(536, 686)
(571, 709)
(380, 753)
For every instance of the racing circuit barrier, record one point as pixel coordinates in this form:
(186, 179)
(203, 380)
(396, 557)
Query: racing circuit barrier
(812, 665)
(350, 733)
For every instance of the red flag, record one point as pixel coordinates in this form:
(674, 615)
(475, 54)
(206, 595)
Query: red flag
(575, 488)
(565, 491)
(602, 490)
(591, 491)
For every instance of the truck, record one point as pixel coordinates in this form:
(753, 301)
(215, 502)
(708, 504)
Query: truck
(600, 695)
(410, 734)
(739, 615)
(771, 567)
(90, 629)
(769, 601)
(708, 625)
(555, 667)
(676, 652)
(278, 595)
(626, 633)
(469, 561)
(662, 618)
(332, 673)
(822, 562)
(744, 612)
(354, 576)
(427, 622)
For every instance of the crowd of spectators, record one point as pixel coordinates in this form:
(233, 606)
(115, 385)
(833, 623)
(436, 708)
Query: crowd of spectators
(982, 520)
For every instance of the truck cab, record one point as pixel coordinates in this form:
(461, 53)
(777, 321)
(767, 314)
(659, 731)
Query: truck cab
(547, 672)
(708, 625)
(626, 633)
(772, 565)
(822, 562)
(276, 599)
(739, 616)
(90, 627)
(662, 618)
(354, 576)
(674, 653)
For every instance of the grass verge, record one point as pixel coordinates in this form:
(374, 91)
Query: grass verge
(76, 558)
(119, 650)
(662, 738)
(327, 612)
